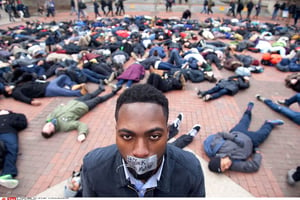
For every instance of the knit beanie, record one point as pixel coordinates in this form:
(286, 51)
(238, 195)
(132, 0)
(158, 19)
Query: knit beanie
(214, 164)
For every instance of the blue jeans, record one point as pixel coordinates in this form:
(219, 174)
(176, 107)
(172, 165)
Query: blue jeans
(258, 136)
(93, 76)
(166, 66)
(274, 15)
(34, 69)
(56, 87)
(122, 81)
(80, 12)
(216, 92)
(293, 99)
(175, 58)
(292, 115)
(11, 144)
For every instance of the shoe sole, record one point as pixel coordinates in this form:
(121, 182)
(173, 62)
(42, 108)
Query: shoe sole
(9, 183)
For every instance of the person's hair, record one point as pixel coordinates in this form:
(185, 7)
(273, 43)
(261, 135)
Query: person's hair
(144, 93)
(5, 93)
(47, 135)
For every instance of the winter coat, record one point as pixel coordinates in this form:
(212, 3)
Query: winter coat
(134, 72)
(29, 90)
(67, 117)
(232, 85)
(237, 146)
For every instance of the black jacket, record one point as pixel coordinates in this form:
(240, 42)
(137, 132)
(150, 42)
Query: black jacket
(233, 84)
(12, 122)
(29, 90)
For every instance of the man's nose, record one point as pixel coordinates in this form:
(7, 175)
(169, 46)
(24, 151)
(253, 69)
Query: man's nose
(140, 149)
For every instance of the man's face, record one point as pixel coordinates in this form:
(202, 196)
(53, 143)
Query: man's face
(141, 131)
(225, 163)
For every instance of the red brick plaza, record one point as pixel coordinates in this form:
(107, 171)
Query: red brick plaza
(43, 163)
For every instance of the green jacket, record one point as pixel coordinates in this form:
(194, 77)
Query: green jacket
(67, 117)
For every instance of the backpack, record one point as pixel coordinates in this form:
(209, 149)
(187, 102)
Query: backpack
(2, 153)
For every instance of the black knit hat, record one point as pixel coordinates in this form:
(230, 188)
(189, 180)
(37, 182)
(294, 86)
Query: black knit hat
(214, 165)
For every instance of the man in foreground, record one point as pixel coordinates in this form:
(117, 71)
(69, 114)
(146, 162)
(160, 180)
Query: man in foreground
(141, 163)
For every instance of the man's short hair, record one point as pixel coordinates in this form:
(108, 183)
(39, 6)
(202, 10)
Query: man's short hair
(47, 135)
(144, 93)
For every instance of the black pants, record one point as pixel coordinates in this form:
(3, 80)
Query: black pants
(92, 99)
(181, 141)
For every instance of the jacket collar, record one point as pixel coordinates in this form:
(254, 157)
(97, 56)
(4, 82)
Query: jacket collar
(165, 179)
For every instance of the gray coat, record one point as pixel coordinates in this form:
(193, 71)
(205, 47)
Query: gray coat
(239, 148)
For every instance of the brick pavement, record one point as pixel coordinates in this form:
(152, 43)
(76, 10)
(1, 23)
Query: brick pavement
(44, 163)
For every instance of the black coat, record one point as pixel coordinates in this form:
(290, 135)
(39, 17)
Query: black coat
(233, 84)
(12, 122)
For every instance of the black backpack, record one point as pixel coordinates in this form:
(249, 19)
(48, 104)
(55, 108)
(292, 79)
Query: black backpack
(2, 153)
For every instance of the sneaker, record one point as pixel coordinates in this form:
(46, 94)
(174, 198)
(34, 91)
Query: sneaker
(282, 102)
(207, 97)
(116, 89)
(113, 86)
(250, 106)
(290, 178)
(276, 122)
(260, 98)
(8, 182)
(178, 120)
(203, 43)
(200, 94)
(106, 82)
(101, 85)
(196, 128)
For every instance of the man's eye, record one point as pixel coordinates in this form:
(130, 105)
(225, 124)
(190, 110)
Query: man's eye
(155, 137)
(126, 137)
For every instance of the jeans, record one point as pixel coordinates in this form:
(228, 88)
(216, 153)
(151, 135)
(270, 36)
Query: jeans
(258, 136)
(166, 66)
(93, 76)
(292, 115)
(80, 12)
(56, 87)
(122, 81)
(274, 15)
(34, 69)
(175, 58)
(293, 99)
(216, 92)
(11, 144)
(204, 10)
